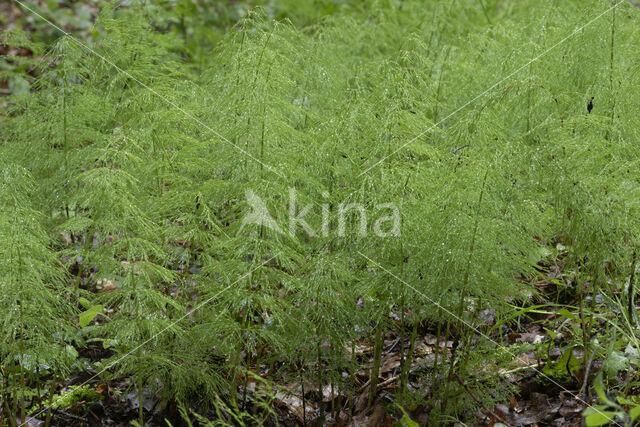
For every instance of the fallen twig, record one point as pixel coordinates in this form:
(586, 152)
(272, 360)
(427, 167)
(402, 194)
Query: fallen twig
(66, 414)
(379, 386)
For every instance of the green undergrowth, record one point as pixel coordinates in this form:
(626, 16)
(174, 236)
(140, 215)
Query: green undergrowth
(127, 172)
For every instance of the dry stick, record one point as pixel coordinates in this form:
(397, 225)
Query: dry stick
(386, 382)
(67, 414)
(364, 386)
(379, 386)
(583, 389)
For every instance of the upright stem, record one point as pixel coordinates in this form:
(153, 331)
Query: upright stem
(237, 86)
(233, 389)
(529, 103)
(439, 86)
(319, 360)
(64, 122)
(611, 63)
(23, 380)
(437, 350)
(262, 141)
(52, 390)
(14, 386)
(304, 402)
(465, 282)
(485, 12)
(404, 376)
(253, 90)
(140, 390)
(353, 377)
(630, 306)
(476, 221)
(87, 244)
(375, 368)
(10, 414)
(403, 359)
(139, 350)
(583, 320)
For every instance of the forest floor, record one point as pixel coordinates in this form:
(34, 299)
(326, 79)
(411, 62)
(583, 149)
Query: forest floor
(545, 374)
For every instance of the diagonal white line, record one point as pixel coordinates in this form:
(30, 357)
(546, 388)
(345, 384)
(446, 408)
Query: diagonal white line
(164, 98)
(478, 332)
(471, 101)
(199, 306)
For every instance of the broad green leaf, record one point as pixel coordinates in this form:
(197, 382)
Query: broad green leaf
(596, 416)
(87, 316)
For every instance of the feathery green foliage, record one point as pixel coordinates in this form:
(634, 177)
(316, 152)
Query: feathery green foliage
(125, 167)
